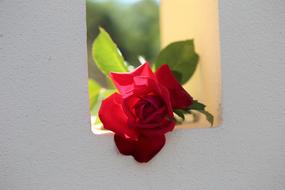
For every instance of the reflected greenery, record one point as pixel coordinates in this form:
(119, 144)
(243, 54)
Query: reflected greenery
(134, 27)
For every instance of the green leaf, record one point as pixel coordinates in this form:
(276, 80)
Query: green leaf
(181, 58)
(197, 105)
(209, 116)
(179, 113)
(106, 54)
(93, 90)
(201, 108)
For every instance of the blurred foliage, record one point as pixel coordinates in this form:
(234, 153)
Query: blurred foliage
(134, 27)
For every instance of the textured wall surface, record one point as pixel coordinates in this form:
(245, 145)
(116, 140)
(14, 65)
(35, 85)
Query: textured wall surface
(45, 139)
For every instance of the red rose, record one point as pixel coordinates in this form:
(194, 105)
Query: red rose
(142, 112)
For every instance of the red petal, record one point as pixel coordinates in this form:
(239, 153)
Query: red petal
(156, 129)
(113, 117)
(179, 96)
(125, 81)
(147, 147)
(142, 150)
(124, 145)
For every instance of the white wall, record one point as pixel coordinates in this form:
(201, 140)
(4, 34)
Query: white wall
(45, 139)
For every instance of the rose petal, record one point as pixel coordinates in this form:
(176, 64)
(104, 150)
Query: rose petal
(147, 147)
(157, 116)
(154, 100)
(125, 81)
(142, 150)
(124, 145)
(167, 99)
(112, 115)
(156, 128)
(180, 98)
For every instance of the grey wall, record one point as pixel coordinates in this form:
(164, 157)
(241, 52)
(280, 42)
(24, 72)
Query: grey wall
(45, 139)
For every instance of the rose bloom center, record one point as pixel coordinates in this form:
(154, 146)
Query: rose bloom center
(150, 109)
